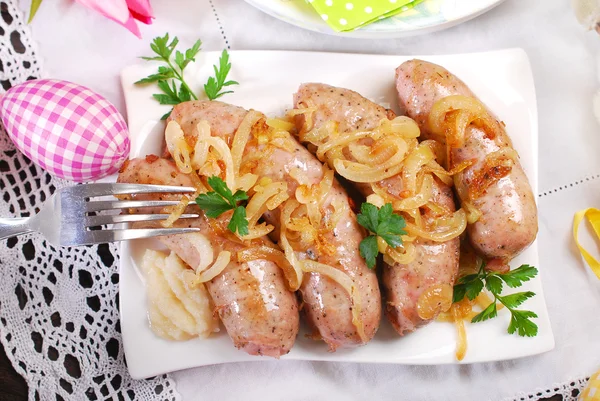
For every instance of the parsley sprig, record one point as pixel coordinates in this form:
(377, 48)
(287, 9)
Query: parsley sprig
(170, 78)
(214, 85)
(382, 222)
(520, 321)
(167, 76)
(220, 200)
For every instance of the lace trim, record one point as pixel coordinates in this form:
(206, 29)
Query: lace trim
(59, 319)
(569, 391)
(18, 61)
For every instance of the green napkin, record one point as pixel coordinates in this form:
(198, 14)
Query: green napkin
(346, 15)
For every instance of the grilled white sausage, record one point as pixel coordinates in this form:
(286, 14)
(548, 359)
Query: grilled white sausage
(436, 262)
(258, 311)
(508, 223)
(327, 305)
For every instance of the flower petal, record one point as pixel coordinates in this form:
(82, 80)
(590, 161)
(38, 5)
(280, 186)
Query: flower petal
(132, 26)
(140, 8)
(116, 10)
(142, 18)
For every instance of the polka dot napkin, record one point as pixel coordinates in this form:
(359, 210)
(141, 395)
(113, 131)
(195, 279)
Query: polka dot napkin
(346, 15)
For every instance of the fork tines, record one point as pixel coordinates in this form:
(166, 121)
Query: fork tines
(105, 189)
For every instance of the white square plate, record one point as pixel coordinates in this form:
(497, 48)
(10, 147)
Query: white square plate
(503, 81)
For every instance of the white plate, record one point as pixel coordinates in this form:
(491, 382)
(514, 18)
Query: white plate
(268, 79)
(426, 17)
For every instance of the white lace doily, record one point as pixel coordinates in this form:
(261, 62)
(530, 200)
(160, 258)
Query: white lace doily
(59, 318)
(569, 391)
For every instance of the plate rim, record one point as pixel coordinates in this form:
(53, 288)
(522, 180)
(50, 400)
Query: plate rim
(362, 33)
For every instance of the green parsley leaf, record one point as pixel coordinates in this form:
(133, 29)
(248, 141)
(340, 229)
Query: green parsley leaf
(238, 221)
(174, 68)
(390, 226)
(369, 250)
(385, 212)
(493, 284)
(368, 217)
(239, 196)
(469, 278)
(459, 292)
(472, 285)
(220, 187)
(169, 95)
(515, 278)
(213, 204)
(191, 53)
(516, 299)
(155, 58)
(163, 74)
(165, 99)
(169, 77)
(220, 200)
(474, 288)
(382, 222)
(171, 46)
(488, 313)
(520, 322)
(184, 94)
(179, 59)
(214, 86)
(392, 240)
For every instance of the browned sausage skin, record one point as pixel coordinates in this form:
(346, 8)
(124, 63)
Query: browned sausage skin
(436, 263)
(327, 305)
(258, 311)
(508, 223)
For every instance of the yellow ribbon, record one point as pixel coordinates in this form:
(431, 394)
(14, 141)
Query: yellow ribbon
(592, 390)
(593, 216)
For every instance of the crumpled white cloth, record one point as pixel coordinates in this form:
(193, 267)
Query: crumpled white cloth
(79, 46)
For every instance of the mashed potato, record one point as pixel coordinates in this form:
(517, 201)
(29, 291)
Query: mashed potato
(176, 310)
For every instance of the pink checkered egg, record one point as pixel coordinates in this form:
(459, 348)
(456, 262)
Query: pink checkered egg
(67, 129)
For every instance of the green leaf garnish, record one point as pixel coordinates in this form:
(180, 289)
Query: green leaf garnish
(472, 285)
(220, 200)
(516, 299)
(521, 323)
(494, 284)
(488, 313)
(369, 250)
(170, 78)
(238, 221)
(214, 86)
(474, 288)
(515, 278)
(382, 222)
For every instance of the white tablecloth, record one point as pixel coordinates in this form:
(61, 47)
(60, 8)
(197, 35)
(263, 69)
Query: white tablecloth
(78, 45)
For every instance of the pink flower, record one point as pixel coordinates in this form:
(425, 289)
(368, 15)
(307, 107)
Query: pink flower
(125, 12)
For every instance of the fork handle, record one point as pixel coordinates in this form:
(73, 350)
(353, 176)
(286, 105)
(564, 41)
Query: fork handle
(14, 226)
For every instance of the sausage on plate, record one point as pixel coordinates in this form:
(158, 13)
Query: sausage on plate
(508, 222)
(258, 311)
(327, 305)
(436, 263)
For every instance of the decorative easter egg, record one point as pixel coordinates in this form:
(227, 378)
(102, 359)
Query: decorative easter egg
(67, 129)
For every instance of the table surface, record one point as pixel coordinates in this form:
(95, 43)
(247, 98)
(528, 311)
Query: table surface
(14, 388)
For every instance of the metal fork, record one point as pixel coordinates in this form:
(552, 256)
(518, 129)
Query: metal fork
(64, 218)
